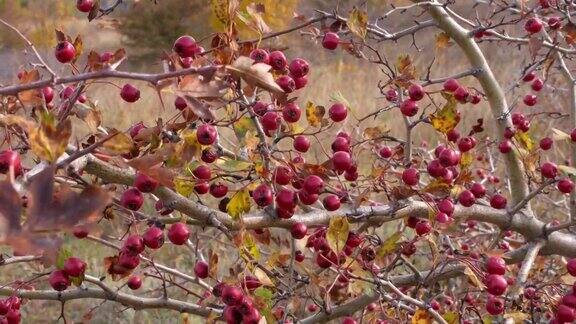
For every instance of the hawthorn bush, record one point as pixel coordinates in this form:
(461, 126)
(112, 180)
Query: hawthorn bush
(473, 225)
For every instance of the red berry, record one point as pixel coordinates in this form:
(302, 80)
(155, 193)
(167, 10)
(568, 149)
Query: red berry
(153, 238)
(202, 172)
(466, 198)
(554, 23)
(338, 112)
(209, 155)
(573, 135)
(298, 230)
(298, 68)
(496, 265)
(260, 108)
(136, 128)
(286, 83)
(277, 60)
(232, 295)
(178, 233)
(453, 135)
(282, 175)
(180, 103)
(349, 320)
(65, 52)
(435, 169)
(13, 317)
(74, 267)
(505, 147)
(130, 93)
(530, 100)
(260, 55)
(478, 190)
(262, 195)
(330, 41)
(285, 213)
(218, 189)
(461, 94)
(313, 184)
(546, 143)
(331, 202)
(201, 187)
(286, 199)
(206, 134)
(134, 244)
(10, 159)
(565, 314)
(549, 170)
(59, 280)
(409, 108)
(48, 94)
(416, 92)
(423, 227)
(451, 85)
(565, 185)
(529, 76)
(465, 144)
(385, 152)
(134, 282)
(392, 95)
(411, 176)
(80, 232)
(251, 283)
(145, 183)
(495, 305)
(300, 82)
(537, 85)
(446, 206)
(306, 197)
(232, 315)
(340, 144)
(533, 25)
(270, 121)
(449, 157)
(301, 143)
(132, 199)
(341, 161)
(201, 269)
(496, 284)
(498, 201)
(185, 46)
(84, 5)
(291, 112)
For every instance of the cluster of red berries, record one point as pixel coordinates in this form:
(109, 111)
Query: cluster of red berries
(536, 84)
(73, 267)
(239, 307)
(292, 76)
(326, 257)
(10, 160)
(10, 310)
(496, 284)
(566, 310)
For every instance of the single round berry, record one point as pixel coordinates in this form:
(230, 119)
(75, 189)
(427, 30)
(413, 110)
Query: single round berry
(232, 295)
(461, 94)
(498, 201)
(301, 143)
(528, 77)
(451, 85)
(65, 52)
(446, 206)
(533, 25)
(277, 60)
(84, 5)
(185, 46)
(537, 84)
(496, 284)
(392, 95)
(530, 100)
(178, 233)
(554, 23)
(478, 190)
(129, 93)
(134, 244)
(546, 143)
(201, 269)
(298, 68)
(435, 169)
(153, 238)
(449, 157)
(260, 55)
(505, 147)
(80, 232)
(385, 152)
(330, 41)
(48, 94)
(565, 314)
(549, 170)
(218, 189)
(286, 83)
(300, 82)
(340, 144)
(423, 227)
(338, 112)
(298, 230)
(313, 184)
(10, 159)
(416, 92)
(286, 199)
(144, 183)
(180, 103)
(291, 112)
(341, 161)
(496, 265)
(134, 282)
(411, 176)
(466, 198)
(201, 187)
(262, 195)
(74, 267)
(467, 143)
(307, 198)
(409, 108)
(495, 305)
(202, 172)
(270, 121)
(59, 280)
(206, 134)
(132, 199)
(331, 202)
(282, 175)
(565, 186)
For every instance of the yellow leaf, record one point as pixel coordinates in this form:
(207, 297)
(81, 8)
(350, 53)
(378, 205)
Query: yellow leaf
(451, 317)
(405, 67)
(389, 245)
(242, 126)
(314, 114)
(233, 165)
(254, 74)
(358, 22)
(248, 248)
(473, 278)
(239, 204)
(442, 40)
(337, 233)
(23, 122)
(525, 140)
(421, 316)
(446, 118)
(119, 144)
(466, 160)
(49, 140)
(183, 186)
(517, 317)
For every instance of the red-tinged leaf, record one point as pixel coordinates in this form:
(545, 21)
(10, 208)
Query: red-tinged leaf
(33, 96)
(60, 36)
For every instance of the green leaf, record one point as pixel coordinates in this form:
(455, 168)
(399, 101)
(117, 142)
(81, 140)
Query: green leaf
(451, 317)
(248, 248)
(77, 281)
(337, 233)
(263, 297)
(63, 255)
(239, 204)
